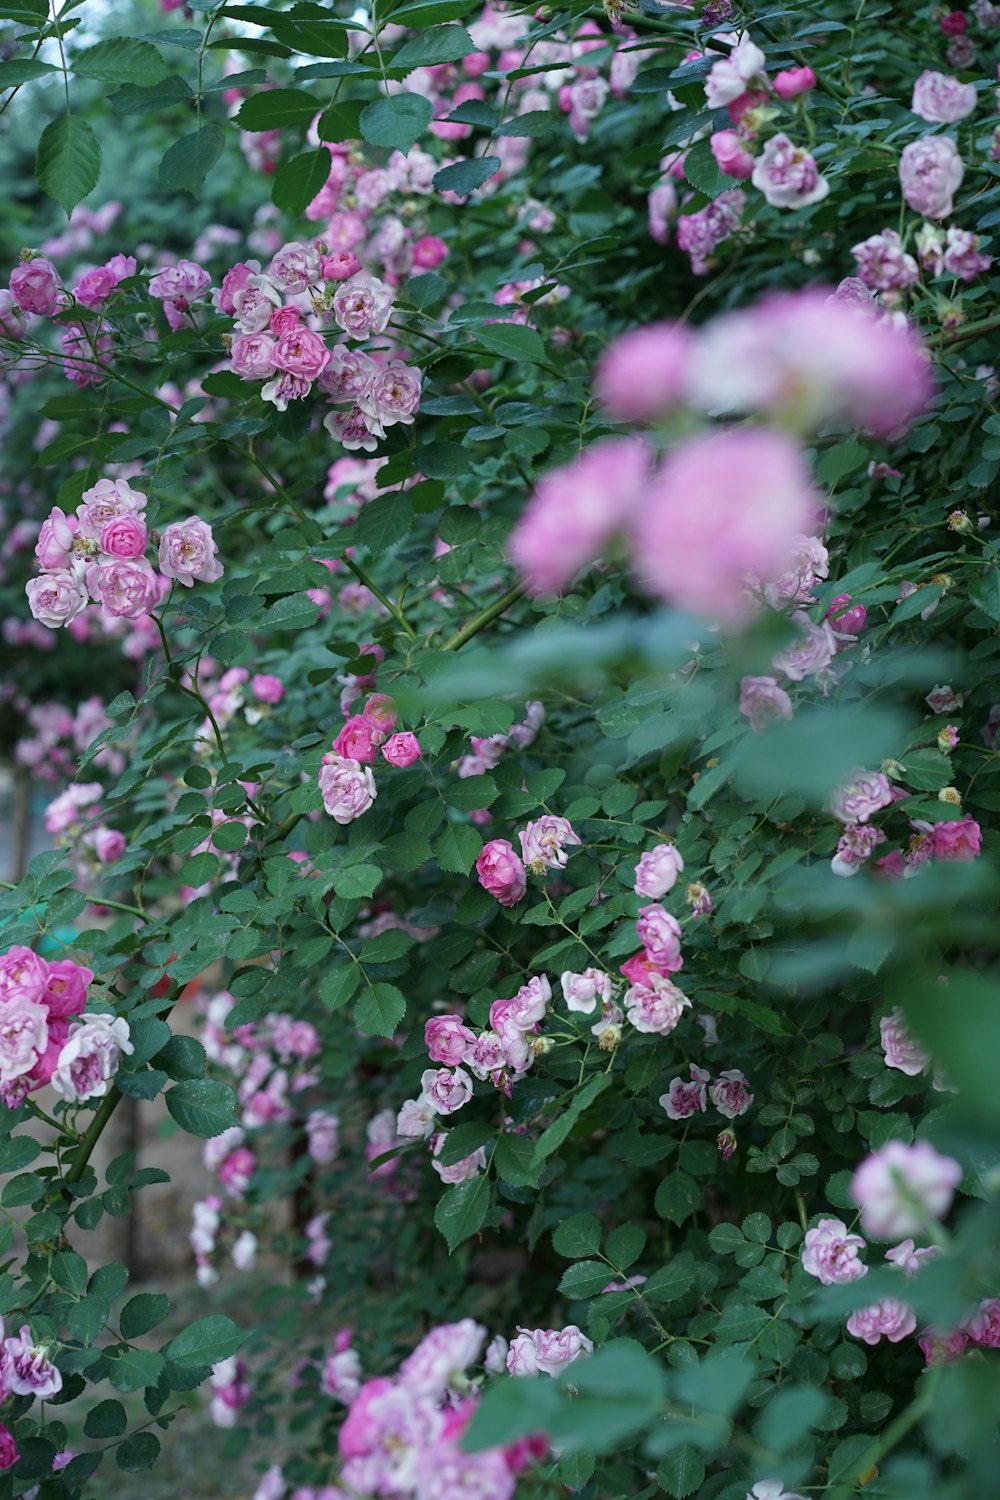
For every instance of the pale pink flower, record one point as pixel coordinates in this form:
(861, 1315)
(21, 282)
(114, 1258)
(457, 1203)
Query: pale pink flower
(362, 306)
(12, 326)
(722, 506)
(788, 176)
(901, 1050)
(104, 502)
(415, 1120)
(125, 588)
(301, 353)
(323, 1136)
(401, 750)
(811, 653)
(682, 1100)
(791, 82)
(501, 872)
(856, 844)
(57, 598)
(446, 1089)
(447, 1039)
(445, 1352)
(888, 1319)
(941, 99)
(24, 1036)
(295, 267)
(188, 552)
(660, 935)
(930, 171)
(656, 1006)
(456, 1171)
(883, 264)
(284, 388)
(54, 548)
(958, 840)
(962, 257)
(657, 871)
(900, 1188)
(182, 283)
(583, 991)
(575, 510)
(830, 1253)
(29, 1370)
(252, 355)
(347, 788)
(546, 1351)
(772, 1489)
(641, 375)
(36, 287)
(341, 1377)
(733, 76)
(544, 841)
(909, 1259)
(984, 1325)
(91, 1057)
(349, 373)
(858, 800)
(124, 536)
(731, 1094)
(762, 701)
(392, 395)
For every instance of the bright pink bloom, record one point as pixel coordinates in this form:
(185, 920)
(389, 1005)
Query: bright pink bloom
(358, 741)
(8, 1447)
(501, 872)
(380, 713)
(722, 506)
(125, 536)
(731, 154)
(574, 511)
(958, 840)
(447, 1040)
(301, 352)
(641, 374)
(660, 935)
(267, 689)
(54, 548)
(401, 749)
(791, 82)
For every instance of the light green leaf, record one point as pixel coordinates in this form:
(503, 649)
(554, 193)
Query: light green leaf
(397, 121)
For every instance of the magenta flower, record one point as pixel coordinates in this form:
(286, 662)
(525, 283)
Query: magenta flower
(501, 872)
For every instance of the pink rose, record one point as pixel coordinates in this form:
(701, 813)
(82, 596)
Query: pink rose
(931, 171)
(402, 749)
(54, 548)
(655, 1007)
(731, 154)
(762, 701)
(885, 1319)
(900, 1048)
(831, 1254)
(109, 845)
(682, 1100)
(12, 324)
(958, 840)
(24, 1036)
(362, 306)
(732, 76)
(501, 872)
(941, 99)
(347, 787)
(380, 713)
(36, 287)
(583, 991)
(8, 1447)
(267, 689)
(285, 320)
(124, 588)
(357, 741)
(788, 176)
(340, 266)
(791, 82)
(900, 1188)
(447, 1040)
(188, 552)
(660, 935)
(641, 375)
(429, 251)
(235, 280)
(57, 598)
(855, 802)
(657, 871)
(302, 353)
(295, 267)
(730, 1093)
(66, 991)
(125, 536)
(252, 355)
(446, 1089)
(392, 394)
(107, 499)
(544, 841)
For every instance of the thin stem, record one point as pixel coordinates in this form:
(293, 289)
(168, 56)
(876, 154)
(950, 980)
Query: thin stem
(484, 618)
(383, 599)
(891, 1437)
(92, 1134)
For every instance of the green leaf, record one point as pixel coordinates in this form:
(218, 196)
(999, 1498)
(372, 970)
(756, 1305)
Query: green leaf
(397, 121)
(577, 1236)
(585, 1279)
(274, 108)
(121, 59)
(535, 122)
(386, 946)
(985, 593)
(69, 1271)
(68, 163)
(670, 1283)
(203, 1107)
(512, 341)
(357, 881)
(790, 1415)
(131, 100)
(105, 1420)
(337, 987)
(341, 122)
(297, 181)
(625, 1245)
(420, 13)
(187, 163)
(703, 172)
(205, 1342)
(681, 1472)
(457, 848)
(143, 1312)
(132, 1369)
(462, 1210)
(677, 1197)
(757, 1227)
(138, 1452)
(384, 522)
(379, 1010)
(86, 1320)
(463, 177)
(471, 793)
(514, 1160)
(25, 12)
(552, 1138)
(17, 1152)
(442, 44)
(21, 70)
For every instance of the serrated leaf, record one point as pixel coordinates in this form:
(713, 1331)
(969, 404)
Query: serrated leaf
(121, 59)
(681, 1472)
(384, 522)
(457, 848)
(463, 177)
(577, 1236)
(585, 1279)
(703, 172)
(68, 162)
(441, 44)
(138, 1453)
(514, 1160)
(204, 1107)
(357, 881)
(187, 163)
(272, 109)
(105, 1420)
(462, 1210)
(396, 121)
(132, 1369)
(297, 181)
(534, 122)
(337, 987)
(205, 1342)
(142, 1313)
(512, 341)
(379, 1010)
(130, 99)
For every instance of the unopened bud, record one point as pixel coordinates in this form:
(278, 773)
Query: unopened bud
(726, 1142)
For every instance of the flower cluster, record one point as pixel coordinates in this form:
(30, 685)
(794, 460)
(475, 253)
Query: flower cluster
(346, 781)
(275, 340)
(44, 1036)
(98, 556)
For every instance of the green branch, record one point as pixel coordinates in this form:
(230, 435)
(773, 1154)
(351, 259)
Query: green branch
(484, 618)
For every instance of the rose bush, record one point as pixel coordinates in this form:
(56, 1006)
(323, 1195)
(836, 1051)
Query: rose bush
(528, 476)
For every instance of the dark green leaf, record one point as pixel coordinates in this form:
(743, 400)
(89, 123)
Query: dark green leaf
(68, 163)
